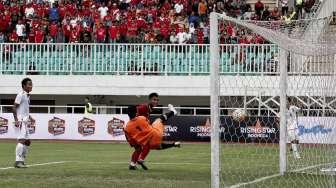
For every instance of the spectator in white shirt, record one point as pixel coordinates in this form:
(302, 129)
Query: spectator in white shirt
(29, 11)
(173, 38)
(182, 37)
(178, 8)
(103, 11)
(20, 30)
(73, 22)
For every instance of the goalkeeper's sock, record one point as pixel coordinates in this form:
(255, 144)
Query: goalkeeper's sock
(169, 145)
(172, 112)
(144, 152)
(135, 156)
(166, 116)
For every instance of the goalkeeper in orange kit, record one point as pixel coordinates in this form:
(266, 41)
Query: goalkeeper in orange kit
(142, 135)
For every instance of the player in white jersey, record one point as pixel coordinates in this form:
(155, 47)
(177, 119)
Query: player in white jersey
(292, 128)
(21, 117)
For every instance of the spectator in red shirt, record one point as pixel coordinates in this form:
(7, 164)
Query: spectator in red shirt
(259, 7)
(13, 37)
(100, 34)
(3, 23)
(53, 31)
(39, 35)
(200, 36)
(122, 32)
(75, 34)
(61, 10)
(113, 33)
(275, 14)
(132, 32)
(165, 32)
(66, 29)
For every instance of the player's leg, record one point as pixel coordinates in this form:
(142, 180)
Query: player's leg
(171, 113)
(166, 145)
(144, 152)
(135, 156)
(22, 146)
(294, 143)
(19, 154)
(156, 140)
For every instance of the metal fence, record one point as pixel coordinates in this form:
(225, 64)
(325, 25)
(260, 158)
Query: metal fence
(148, 59)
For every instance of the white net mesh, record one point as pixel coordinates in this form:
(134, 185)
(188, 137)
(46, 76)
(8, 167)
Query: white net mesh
(250, 106)
(305, 37)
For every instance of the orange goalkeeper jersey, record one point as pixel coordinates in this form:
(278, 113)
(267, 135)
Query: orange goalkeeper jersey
(142, 133)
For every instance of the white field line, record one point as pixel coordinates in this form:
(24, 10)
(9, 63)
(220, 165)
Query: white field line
(276, 175)
(38, 164)
(149, 163)
(93, 162)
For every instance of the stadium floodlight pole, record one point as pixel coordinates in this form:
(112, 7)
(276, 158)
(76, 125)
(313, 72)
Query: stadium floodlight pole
(214, 100)
(283, 111)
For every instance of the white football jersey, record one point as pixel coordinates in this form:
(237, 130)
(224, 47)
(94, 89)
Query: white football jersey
(292, 116)
(23, 99)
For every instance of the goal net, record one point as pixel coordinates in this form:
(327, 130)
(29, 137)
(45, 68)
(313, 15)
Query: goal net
(276, 101)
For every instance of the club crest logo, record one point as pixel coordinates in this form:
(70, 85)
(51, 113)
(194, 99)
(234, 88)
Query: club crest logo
(56, 126)
(3, 125)
(115, 127)
(86, 126)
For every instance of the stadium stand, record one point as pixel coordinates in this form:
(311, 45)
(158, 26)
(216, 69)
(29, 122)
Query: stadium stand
(126, 21)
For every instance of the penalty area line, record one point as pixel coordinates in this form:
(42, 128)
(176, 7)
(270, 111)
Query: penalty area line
(38, 164)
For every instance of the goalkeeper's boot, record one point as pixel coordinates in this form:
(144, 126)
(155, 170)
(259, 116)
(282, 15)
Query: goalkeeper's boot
(142, 164)
(131, 167)
(177, 144)
(172, 109)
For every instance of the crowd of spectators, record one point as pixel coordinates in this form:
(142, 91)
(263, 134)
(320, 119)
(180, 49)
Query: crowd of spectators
(131, 21)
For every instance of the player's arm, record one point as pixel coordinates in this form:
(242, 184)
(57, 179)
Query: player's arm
(14, 108)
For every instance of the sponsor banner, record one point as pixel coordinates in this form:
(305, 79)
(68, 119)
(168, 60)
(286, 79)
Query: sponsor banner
(3, 125)
(115, 127)
(179, 128)
(251, 130)
(317, 130)
(56, 126)
(31, 125)
(86, 126)
(188, 128)
(198, 128)
(67, 126)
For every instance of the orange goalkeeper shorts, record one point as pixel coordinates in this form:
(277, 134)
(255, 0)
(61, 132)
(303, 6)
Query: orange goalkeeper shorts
(156, 139)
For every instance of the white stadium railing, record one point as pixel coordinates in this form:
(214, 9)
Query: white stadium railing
(144, 59)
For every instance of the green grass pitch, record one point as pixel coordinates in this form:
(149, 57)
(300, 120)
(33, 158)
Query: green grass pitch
(101, 165)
